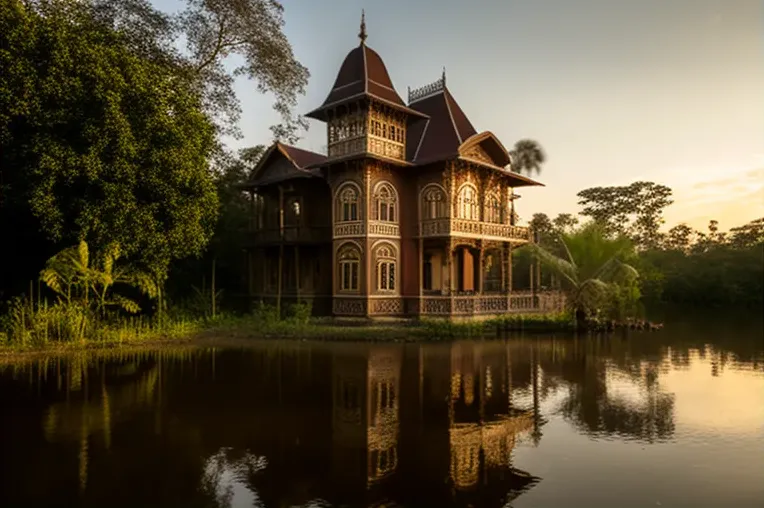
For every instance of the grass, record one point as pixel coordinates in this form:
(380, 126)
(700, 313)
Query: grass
(30, 327)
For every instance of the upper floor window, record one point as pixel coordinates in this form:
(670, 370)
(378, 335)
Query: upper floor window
(492, 211)
(349, 260)
(468, 203)
(258, 211)
(385, 203)
(386, 271)
(434, 203)
(292, 212)
(348, 203)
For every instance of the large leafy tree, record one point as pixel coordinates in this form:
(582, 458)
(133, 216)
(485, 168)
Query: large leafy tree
(99, 143)
(635, 210)
(594, 270)
(527, 156)
(224, 39)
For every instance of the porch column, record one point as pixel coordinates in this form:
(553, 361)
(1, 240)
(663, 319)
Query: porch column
(421, 274)
(297, 271)
(449, 254)
(281, 250)
(479, 281)
(509, 276)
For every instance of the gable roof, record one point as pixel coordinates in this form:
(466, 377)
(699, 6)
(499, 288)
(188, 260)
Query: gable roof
(299, 161)
(444, 132)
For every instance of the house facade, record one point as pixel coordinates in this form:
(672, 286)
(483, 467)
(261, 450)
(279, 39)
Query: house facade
(411, 212)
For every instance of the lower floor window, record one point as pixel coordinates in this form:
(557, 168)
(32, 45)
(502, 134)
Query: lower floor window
(349, 275)
(386, 275)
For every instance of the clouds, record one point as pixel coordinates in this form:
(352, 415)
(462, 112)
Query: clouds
(733, 198)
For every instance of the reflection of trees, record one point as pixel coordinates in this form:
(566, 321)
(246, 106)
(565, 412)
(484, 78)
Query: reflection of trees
(587, 367)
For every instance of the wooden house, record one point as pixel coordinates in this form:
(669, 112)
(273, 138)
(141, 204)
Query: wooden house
(410, 212)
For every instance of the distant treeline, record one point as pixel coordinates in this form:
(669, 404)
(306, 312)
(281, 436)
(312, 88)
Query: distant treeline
(682, 265)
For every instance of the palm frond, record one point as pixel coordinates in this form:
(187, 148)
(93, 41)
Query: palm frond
(561, 267)
(126, 304)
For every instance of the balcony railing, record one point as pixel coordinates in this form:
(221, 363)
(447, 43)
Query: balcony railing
(471, 228)
(291, 234)
(514, 302)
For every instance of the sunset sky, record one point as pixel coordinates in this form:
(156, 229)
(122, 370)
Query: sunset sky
(615, 91)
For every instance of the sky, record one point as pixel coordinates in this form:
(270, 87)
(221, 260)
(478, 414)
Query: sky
(614, 90)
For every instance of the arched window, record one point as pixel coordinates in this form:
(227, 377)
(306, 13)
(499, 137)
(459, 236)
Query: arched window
(386, 271)
(349, 260)
(492, 210)
(468, 203)
(348, 203)
(434, 203)
(385, 203)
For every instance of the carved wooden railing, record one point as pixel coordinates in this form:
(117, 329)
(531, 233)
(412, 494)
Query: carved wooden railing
(455, 227)
(355, 228)
(517, 301)
(384, 229)
(444, 305)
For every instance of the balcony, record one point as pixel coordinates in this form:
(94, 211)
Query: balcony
(291, 235)
(445, 227)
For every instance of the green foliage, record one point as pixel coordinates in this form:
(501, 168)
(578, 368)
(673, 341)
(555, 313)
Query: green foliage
(594, 269)
(76, 278)
(98, 141)
(634, 210)
(527, 156)
(437, 329)
(715, 269)
(248, 33)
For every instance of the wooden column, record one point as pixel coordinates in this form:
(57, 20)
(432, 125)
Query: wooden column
(509, 276)
(281, 250)
(421, 274)
(297, 271)
(264, 281)
(479, 282)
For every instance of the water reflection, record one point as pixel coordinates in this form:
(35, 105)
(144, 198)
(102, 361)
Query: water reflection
(302, 424)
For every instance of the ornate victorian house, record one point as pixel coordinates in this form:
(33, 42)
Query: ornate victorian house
(411, 212)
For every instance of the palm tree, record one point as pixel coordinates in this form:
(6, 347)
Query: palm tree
(590, 268)
(73, 274)
(527, 156)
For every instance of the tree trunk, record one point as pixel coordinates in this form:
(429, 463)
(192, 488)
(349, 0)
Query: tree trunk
(581, 322)
(213, 287)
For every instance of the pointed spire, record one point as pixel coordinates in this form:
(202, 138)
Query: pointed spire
(444, 76)
(362, 33)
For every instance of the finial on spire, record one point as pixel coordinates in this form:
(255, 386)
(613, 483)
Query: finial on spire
(444, 75)
(362, 33)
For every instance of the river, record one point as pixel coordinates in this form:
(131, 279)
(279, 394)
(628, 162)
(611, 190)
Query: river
(673, 418)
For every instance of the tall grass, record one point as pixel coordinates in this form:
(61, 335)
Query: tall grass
(30, 324)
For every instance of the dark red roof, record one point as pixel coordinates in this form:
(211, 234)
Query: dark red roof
(302, 158)
(362, 74)
(299, 165)
(440, 136)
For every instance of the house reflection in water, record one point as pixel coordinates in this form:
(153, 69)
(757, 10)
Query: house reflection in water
(351, 424)
(365, 416)
(409, 420)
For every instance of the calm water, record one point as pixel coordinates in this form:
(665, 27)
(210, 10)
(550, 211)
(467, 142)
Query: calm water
(674, 418)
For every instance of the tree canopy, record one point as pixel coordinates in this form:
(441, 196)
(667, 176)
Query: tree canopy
(635, 210)
(99, 143)
(527, 156)
(224, 39)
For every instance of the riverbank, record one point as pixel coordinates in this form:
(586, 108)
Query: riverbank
(226, 330)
